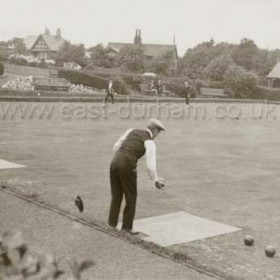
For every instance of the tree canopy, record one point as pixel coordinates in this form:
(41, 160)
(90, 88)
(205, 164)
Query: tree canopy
(71, 53)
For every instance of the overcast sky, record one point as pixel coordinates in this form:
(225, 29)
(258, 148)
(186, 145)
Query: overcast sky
(191, 21)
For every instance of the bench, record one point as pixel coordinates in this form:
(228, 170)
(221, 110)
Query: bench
(53, 84)
(212, 92)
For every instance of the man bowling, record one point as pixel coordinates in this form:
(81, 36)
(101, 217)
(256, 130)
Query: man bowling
(130, 147)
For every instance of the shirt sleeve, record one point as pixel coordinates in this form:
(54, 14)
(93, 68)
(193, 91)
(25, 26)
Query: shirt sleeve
(150, 147)
(118, 144)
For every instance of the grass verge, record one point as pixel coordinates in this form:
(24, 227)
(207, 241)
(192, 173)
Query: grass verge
(153, 248)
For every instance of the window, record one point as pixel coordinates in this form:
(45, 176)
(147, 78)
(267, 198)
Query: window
(41, 44)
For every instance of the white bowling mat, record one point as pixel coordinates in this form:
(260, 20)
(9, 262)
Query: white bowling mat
(4, 164)
(179, 227)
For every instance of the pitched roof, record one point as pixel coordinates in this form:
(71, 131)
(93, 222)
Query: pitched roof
(30, 41)
(155, 49)
(52, 41)
(275, 72)
(149, 49)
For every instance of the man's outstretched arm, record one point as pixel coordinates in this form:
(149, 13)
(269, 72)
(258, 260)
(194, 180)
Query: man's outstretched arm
(150, 147)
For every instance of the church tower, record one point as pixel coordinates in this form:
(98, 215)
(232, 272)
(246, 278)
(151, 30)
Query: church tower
(137, 37)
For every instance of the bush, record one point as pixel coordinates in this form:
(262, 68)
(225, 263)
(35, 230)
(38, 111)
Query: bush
(77, 77)
(80, 77)
(215, 84)
(18, 262)
(120, 87)
(20, 59)
(134, 81)
(272, 94)
(176, 86)
(1, 69)
(240, 82)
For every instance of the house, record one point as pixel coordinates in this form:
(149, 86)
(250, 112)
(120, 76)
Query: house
(151, 51)
(6, 50)
(44, 46)
(274, 76)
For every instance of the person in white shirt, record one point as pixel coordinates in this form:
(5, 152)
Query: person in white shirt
(129, 148)
(110, 92)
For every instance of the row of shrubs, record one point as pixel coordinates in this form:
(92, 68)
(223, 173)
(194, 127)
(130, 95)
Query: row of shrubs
(81, 77)
(122, 82)
(174, 85)
(264, 93)
(132, 80)
(19, 59)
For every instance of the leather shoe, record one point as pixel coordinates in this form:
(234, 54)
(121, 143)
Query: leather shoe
(131, 231)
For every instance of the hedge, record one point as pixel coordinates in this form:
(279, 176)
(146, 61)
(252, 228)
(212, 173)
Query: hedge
(133, 80)
(266, 93)
(1, 69)
(81, 77)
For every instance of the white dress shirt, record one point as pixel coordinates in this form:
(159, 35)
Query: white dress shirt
(150, 148)
(110, 87)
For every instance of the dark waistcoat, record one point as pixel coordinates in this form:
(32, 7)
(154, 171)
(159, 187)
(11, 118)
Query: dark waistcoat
(133, 146)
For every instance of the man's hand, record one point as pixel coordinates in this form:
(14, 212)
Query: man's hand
(160, 183)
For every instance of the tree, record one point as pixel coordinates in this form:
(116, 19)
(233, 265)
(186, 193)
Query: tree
(19, 45)
(240, 82)
(217, 68)
(131, 57)
(100, 57)
(245, 54)
(195, 60)
(71, 53)
(163, 64)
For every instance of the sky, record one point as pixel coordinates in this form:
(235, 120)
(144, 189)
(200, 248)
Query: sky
(91, 22)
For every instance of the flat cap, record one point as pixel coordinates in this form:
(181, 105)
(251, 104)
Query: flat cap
(155, 123)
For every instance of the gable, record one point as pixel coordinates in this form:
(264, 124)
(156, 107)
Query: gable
(43, 43)
(275, 72)
(40, 45)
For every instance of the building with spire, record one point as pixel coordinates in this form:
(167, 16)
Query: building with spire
(151, 51)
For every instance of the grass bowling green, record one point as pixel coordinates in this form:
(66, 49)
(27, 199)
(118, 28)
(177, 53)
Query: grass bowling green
(222, 169)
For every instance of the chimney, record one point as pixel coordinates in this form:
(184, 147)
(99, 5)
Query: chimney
(47, 31)
(139, 37)
(58, 33)
(136, 37)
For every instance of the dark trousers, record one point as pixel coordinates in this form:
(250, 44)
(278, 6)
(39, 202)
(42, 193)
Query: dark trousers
(109, 95)
(187, 97)
(123, 178)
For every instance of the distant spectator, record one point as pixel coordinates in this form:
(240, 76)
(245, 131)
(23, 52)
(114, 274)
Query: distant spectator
(159, 87)
(110, 92)
(186, 92)
(152, 88)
